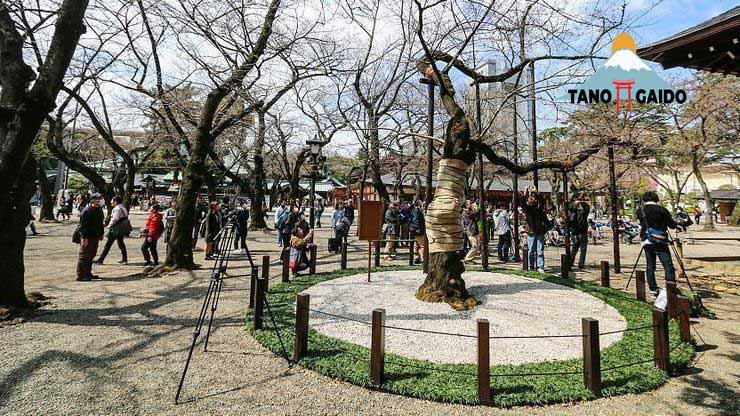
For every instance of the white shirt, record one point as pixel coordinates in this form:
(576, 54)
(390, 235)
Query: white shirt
(119, 212)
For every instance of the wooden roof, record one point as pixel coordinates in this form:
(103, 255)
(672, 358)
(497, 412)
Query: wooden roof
(713, 46)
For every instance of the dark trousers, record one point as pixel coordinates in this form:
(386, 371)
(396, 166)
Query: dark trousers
(241, 236)
(579, 242)
(109, 244)
(88, 249)
(503, 246)
(196, 232)
(150, 247)
(662, 252)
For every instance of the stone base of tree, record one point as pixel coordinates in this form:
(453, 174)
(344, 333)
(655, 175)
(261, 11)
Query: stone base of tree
(444, 282)
(15, 315)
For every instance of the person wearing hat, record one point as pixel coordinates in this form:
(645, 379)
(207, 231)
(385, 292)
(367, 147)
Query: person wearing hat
(91, 230)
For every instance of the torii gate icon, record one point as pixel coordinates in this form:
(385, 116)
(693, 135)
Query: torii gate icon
(627, 85)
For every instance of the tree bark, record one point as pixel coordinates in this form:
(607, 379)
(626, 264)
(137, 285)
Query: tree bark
(47, 199)
(258, 213)
(375, 160)
(709, 222)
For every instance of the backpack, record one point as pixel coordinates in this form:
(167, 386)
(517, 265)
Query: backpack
(282, 219)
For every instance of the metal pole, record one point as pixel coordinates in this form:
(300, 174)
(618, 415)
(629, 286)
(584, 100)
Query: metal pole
(312, 198)
(430, 162)
(613, 195)
(481, 190)
(515, 182)
(533, 115)
(566, 236)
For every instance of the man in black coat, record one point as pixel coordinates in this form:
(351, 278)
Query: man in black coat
(578, 224)
(655, 221)
(91, 231)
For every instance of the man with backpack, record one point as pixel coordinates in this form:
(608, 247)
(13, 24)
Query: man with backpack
(417, 229)
(654, 223)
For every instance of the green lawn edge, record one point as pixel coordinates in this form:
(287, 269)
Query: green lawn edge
(431, 381)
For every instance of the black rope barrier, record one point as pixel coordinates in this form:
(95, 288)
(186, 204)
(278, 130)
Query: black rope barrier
(536, 336)
(440, 370)
(554, 373)
(638, 328)
(626, 365)
(428, 331)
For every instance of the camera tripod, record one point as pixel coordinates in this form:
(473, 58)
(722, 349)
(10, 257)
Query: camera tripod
(679, 260)
(225, 238)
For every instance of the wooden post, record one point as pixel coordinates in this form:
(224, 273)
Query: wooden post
(591, 355)
(369, 258)
(679, 248)
(484, 362)
(285, 256)
(377, 253)
(312, 264)
(671, 296)
(604, 273)
(252, 287)
(640, 284)
(411, 252)
(425, 266)
(684, 324)
(564, 266)
(303, 302)
(661, 352)
(525, 256)
(377, 348)
(266, 268)
(342, 254)
(259, 300)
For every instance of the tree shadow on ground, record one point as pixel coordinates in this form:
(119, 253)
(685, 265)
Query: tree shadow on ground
(711, 394)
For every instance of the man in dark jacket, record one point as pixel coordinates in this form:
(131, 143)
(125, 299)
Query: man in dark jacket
(390, 229)
(417, 229)
(200, 214)
(655, 220)
(536, 217)
(578, 223)
(470, 229)
(91, 231)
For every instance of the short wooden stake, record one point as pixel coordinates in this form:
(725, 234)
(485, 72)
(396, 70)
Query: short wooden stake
(369, 259)
(343, 254)
(604, 273)
(564, 265)
(484, 362)
(312, 263)
(525, 257)
(411, 252)
(671, 296)
(661, 352)
(377, 254)
(285, 256)
(679, 248)
(377, 348)
(684, 323)
(640, 284)
(591, 355)
(303, 302)
(266, 267)
(259, 300)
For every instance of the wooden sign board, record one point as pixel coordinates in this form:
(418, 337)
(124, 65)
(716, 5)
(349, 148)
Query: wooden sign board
(371, 220)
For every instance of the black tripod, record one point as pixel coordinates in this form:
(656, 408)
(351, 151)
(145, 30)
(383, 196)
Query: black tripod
(225, 238)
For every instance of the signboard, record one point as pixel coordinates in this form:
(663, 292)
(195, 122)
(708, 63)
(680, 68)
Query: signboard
(371, 220)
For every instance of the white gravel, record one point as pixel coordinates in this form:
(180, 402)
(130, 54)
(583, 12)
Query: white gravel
(514, 306)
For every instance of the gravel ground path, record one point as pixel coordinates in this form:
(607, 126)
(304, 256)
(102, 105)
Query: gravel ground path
(116, 347)
(514, 306)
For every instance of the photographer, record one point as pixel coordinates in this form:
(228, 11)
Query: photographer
(299, 243)
(654, 223)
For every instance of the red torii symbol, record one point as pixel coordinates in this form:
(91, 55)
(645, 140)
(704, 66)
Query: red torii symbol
(627, 85)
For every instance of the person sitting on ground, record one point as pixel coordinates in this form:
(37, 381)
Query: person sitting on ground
(91, 230)
(151, 233)
(299, 244)
(654, 223)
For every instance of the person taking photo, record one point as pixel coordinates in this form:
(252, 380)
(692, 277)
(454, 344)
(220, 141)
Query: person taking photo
(655, 220)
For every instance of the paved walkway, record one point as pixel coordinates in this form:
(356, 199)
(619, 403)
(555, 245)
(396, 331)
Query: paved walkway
(117, 346)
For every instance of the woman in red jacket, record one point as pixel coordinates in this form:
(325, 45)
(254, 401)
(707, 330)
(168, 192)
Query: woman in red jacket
(152, 232)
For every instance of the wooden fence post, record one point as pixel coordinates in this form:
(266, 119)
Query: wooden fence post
(300, 346)
(312, 263)
(285, 256)
(484, 362)
(343, 254)
(266, 267)
(377, 254)
(591, 355)
(525, 256)
(640, 284)
(411, 252)
(671, 296)
(605, 273)
(661, 352)
(564, 266)
(259, 300)
(377, 348)
(684, 323)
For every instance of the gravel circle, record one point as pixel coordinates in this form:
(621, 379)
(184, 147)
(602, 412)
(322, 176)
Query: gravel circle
(514, 306)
